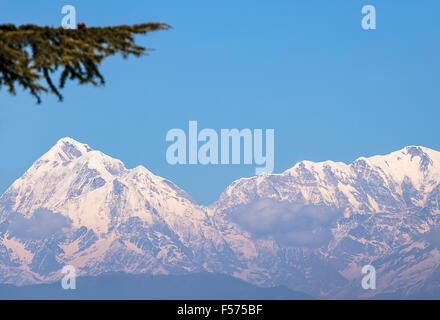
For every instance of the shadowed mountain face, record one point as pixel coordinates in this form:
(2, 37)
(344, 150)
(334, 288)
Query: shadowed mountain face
(311, 228)
(119, 286)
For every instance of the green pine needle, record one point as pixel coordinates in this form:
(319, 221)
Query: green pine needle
(29, 54)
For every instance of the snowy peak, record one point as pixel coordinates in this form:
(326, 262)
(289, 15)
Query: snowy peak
(86, 209)
(396, 181)
(78, 157)
(414, 157)
(415, 163)
(80, 207)
(91, 188)
(73, 154)
(409, 157)
(66, 149)
(419, 166)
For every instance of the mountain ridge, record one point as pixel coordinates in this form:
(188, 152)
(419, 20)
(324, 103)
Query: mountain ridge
(200, 286)
(310, 228)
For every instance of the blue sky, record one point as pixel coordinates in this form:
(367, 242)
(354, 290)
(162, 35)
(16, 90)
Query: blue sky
(307, 69)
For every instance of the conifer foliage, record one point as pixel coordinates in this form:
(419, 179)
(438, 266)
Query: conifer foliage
(30, 54)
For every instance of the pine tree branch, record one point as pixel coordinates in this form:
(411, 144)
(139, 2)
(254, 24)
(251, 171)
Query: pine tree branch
(30, 54)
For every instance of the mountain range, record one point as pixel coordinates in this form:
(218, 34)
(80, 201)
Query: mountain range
(311, 228)
(122, 286)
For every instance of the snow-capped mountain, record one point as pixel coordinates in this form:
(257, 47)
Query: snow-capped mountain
(382, 210)
(311, 228)
(403, 179)
(112, 219)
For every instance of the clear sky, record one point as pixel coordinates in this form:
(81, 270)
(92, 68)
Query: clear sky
(307, 69)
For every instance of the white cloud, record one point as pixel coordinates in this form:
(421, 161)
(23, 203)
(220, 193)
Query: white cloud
(289, 224)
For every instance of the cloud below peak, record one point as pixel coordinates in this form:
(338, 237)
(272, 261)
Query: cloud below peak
(288, 223)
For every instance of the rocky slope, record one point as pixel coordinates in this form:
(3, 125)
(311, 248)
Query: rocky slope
(311, 228)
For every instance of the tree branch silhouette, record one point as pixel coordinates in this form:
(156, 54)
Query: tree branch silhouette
(30, 54)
